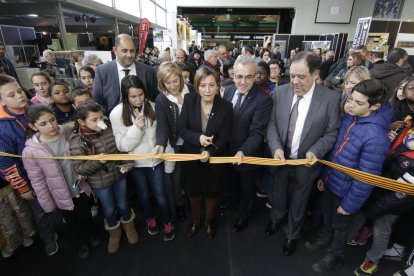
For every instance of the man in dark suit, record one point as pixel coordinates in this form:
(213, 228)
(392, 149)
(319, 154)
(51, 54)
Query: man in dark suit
(251, 113)
(6, 63)
(304, 124)
(107, 83)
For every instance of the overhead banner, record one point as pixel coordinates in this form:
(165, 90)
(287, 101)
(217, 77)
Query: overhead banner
(361, 31)
(143, 29)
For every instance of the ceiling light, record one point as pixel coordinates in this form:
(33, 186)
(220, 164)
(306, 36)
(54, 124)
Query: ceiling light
(45, 33)
(32, 15)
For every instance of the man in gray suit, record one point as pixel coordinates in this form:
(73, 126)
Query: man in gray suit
(108, 77)
(304, 124)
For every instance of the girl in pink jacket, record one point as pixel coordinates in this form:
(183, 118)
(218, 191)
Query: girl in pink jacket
(54, 181)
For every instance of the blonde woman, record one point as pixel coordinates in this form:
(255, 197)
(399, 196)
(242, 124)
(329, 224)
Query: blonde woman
(168, 106)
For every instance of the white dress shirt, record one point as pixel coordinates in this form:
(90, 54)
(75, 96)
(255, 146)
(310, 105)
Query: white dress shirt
(121, 73)
(303, 109)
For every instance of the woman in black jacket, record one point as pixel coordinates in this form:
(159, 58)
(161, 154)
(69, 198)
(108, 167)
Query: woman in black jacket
(205, 125)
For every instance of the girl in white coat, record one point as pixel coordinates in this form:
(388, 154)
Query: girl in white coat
(134, 124)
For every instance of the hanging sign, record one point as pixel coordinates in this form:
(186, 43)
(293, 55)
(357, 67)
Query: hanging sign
(143, 29)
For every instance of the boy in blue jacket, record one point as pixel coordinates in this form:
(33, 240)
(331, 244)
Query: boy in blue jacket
(13, 126)
(362, 144)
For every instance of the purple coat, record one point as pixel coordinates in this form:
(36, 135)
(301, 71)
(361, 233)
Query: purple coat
(46, 176)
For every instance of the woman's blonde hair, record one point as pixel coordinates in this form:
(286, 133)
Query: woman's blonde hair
(359, 72)
(165, 71)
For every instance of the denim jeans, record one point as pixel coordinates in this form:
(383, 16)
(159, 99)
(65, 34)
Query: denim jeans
(381, 236)
(154, 176)
(114, 199)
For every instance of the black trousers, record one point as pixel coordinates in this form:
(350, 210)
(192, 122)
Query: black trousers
(246, 181)
(79, 221)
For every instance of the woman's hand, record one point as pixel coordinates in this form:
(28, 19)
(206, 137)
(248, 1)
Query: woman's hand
(205, 155)
(140, 122)
(206, 141)
(158, 149)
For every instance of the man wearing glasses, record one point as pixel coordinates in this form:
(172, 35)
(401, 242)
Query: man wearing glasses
(251, 113)
(304, 124)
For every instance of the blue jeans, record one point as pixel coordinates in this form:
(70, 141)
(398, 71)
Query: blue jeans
(115, 194)
(155, 177)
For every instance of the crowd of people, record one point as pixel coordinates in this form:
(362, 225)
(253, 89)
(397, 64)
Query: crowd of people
(352, 112)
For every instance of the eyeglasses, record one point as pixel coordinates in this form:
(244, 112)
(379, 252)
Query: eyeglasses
(246, 78)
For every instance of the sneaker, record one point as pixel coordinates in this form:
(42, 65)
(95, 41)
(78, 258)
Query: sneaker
(327, 263)
(261, 194)
(268, 204)
(152, 227)
(321, 242)
(6, 254)
(27, 242)
(51, 246)
(169, 233)
(395, 253)
(409, 271)
(367, 268)
(363, 235)
(352, 242)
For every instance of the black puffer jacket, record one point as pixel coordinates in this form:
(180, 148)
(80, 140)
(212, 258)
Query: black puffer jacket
(400, 166)
(389, 74)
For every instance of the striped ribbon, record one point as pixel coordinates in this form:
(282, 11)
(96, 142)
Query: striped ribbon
(368, 178)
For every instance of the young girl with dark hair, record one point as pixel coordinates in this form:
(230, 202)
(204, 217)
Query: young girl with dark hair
(134, 125)
(94, 136)
(54, 181)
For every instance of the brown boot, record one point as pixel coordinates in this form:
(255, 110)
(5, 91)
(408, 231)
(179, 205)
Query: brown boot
(195, 211)
(129, 228)
(114, 237)
(211, 205)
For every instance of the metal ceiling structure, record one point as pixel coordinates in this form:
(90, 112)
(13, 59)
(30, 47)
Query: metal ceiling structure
(18, 13)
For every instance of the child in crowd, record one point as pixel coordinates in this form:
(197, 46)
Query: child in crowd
(62, 106)
(362, 144)
(262, 78)
(87, 75)
(79, 96)
(385, 207)
(94, 136)
(13, 126)
(186, 71)
(54, 181)
(134, 125)
(41, 83)
(404, 107)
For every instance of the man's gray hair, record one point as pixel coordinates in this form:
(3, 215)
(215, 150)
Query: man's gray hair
(209, 53)
(89, 59)
(244, 60)
(330, 53)
(164, 56)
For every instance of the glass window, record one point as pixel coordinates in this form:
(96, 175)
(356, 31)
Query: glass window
(161, 21)
(105, 2)
(130, 7)
(148, 10)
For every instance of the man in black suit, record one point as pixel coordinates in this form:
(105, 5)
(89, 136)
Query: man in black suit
(304, 124)
(108, 76)
(251, 113)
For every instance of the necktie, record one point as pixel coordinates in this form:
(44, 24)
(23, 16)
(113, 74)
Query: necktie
(238, 103)
(126, 71)
(292, 125)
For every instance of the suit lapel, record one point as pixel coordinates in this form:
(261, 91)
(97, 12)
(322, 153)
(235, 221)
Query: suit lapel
(115, 75)
(197, 115)
(211, 120)
(313, 109)
(252, 94)
(230, 93)
(285, 107)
